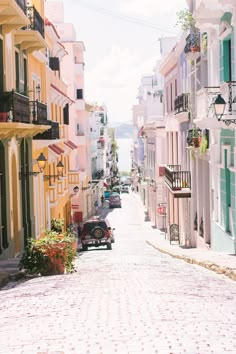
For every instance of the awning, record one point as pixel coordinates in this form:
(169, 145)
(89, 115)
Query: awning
(70, 144)
(55, 148)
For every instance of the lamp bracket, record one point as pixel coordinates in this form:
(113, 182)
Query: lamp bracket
(27, 174)
(47, 177)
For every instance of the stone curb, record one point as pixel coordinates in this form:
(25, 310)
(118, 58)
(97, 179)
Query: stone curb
(5, 277)
(228, 272)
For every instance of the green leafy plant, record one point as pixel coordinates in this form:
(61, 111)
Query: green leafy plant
(204, 43)
(57, 224)
(52, 254)
(203, 145)
(186, 20)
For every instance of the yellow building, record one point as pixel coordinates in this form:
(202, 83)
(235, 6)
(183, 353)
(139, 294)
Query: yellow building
(21, 33)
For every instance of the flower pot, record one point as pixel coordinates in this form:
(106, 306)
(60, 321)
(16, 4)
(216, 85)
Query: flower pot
(196, 142)
(195, 49)
(57, 256)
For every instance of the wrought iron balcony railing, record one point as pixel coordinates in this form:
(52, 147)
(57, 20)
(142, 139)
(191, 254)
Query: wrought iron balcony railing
(36, 21)
(51, 134)
(177, 179)
(14, 107)
(38, 113)
(182, 103)
(228, 92)
(22, 4)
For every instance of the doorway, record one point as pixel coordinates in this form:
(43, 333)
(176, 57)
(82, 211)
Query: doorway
(15, 208)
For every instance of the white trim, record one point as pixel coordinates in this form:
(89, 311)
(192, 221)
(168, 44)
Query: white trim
(225, 30)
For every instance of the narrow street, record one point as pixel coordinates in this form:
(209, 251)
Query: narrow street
(132, 299)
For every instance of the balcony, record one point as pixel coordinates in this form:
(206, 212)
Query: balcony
(51, 134)
(38, 113)
(177, 181)
(14, 107)
(73, 177)
(205, 112)
(31, 37)
(182, 107)
(13, 15)
(228, 92)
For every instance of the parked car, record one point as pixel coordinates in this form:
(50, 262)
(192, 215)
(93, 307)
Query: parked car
(97, 232)
(107, 194)
(116, 189)
(114, 201)
(125, 189)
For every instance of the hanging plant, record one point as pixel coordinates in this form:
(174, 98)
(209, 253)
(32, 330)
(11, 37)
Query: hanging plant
(204, 43)
(203, 145)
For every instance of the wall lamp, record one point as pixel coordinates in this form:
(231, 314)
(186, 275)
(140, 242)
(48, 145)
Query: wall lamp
(41, 161)
(75, 192)
(219, 109)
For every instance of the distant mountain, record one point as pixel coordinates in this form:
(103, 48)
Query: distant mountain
(124, 130)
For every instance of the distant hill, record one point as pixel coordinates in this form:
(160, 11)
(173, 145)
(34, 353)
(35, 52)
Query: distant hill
(124, 130)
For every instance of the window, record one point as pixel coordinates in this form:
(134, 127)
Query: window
(54, 63)
(1, 67)
(17, 72)
(25, 77)
(66, 114)
(79, 94)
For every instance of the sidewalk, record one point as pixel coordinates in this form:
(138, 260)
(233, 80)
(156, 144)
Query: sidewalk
(221, 263)
(9, 271)
(218, 262)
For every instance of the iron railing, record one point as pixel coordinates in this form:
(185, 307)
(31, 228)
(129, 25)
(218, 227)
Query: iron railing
(182, 103)
(177, 179)
(38, 112)
(22, 4)
(36, 21)
(51, 134)
(14, 106)
(228, 92)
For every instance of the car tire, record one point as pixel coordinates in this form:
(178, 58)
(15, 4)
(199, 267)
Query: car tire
(98, 232)
(84, 248)
(109, 246)
(113, 240)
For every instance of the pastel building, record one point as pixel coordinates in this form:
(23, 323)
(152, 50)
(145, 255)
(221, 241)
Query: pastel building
(72, 69)
(215, 177)
(22, 84)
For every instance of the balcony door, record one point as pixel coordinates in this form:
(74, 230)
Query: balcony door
(1, 67)
(25, 187)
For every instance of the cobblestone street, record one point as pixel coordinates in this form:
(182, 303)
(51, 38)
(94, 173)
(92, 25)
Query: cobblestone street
(132, 299)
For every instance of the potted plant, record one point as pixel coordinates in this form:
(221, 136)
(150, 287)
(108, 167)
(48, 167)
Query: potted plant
(57, 224)
(194, 137)
(49, 255)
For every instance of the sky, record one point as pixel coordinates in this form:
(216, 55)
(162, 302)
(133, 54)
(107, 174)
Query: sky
(121, 41)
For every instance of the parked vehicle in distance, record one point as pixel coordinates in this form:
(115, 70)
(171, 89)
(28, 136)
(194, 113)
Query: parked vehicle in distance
(116, 189)
(97, 232)
(125, 189)
(114, 201)
(107, 194)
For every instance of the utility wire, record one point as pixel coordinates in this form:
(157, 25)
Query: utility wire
(134, 20)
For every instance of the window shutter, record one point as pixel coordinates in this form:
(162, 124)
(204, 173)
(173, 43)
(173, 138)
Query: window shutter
(66, 114)
(79, 94)
(54, 63)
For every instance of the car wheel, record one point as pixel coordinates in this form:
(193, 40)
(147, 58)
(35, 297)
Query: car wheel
(113, 240)
(85, 248)
(109, 246)
(98, 232)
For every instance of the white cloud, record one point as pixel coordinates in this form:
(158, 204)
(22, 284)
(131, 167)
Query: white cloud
(115, 80)
(150, 8)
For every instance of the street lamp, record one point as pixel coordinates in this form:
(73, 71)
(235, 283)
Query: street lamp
(219, 107)
(41, 161)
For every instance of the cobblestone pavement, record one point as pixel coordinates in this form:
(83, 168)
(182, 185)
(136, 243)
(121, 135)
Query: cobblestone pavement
(132, 299)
